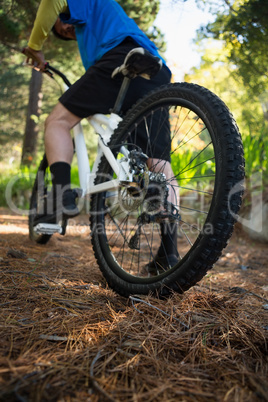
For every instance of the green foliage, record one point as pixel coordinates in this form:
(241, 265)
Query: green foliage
(218, 75)
(143, 12)
(243, 27)
(255, 147)
(13, 100)
(15, 187)
(16, 19)
(234, 65)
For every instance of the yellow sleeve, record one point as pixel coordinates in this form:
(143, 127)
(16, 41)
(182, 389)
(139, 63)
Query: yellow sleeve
(46, 17)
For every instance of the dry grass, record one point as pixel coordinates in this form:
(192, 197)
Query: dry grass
(66, 337)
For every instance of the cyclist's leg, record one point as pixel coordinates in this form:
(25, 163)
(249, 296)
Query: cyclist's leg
(58, 140)
(59, 152)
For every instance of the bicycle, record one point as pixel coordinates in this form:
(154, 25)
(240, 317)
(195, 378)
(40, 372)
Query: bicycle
(131, 197)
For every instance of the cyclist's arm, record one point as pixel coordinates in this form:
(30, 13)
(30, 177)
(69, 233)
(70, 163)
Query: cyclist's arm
(46, 17)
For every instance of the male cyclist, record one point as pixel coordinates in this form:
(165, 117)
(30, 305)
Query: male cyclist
(105, 35)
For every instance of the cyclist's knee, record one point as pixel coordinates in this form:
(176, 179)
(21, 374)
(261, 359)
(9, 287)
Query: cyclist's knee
(61, 116)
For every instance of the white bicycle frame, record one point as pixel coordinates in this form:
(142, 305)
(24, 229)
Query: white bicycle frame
(104, 127)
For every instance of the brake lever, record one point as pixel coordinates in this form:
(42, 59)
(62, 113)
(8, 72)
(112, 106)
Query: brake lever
(47, 71)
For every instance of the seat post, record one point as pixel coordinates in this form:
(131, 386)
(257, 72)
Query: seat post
(121, 96)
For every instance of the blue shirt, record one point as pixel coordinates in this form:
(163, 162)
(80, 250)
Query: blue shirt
(100, 26)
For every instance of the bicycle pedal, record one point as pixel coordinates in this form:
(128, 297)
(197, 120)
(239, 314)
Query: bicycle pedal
(48, 228)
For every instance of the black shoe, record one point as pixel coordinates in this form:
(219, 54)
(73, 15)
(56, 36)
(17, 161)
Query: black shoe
(53, 211)
(161, 264)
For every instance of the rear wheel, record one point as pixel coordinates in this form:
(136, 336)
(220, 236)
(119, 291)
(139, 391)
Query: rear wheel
(200, 195)
(41, 187)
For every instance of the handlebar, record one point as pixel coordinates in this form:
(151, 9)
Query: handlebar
(49, 70)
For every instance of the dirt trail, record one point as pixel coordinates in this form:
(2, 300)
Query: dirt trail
(65, 336)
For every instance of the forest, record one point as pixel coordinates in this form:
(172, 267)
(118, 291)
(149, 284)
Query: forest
(65, 335)
(233, 64)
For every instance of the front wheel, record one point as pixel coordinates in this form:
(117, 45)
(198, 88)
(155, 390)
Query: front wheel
(190, 185)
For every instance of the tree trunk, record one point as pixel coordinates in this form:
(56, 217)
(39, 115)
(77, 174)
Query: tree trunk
(31, 129)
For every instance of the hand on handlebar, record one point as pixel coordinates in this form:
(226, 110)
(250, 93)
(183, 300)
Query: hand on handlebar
(35, 58)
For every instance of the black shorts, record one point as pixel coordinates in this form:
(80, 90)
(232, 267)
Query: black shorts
(96, 91)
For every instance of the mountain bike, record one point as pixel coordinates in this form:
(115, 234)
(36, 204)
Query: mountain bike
(197, 190)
